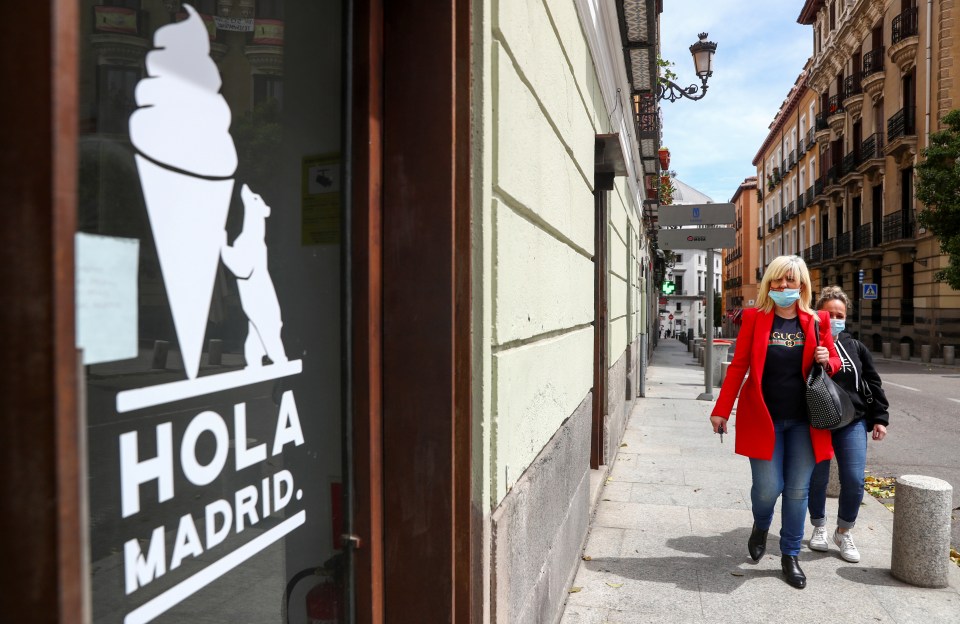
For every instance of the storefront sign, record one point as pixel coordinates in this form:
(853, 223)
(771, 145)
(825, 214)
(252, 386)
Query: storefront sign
(696, 238)
(697, 214)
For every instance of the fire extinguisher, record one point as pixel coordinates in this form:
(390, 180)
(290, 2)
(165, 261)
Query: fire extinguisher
(324, 601)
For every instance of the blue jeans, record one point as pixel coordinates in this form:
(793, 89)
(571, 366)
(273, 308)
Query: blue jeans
(850, 448)
(787, 473)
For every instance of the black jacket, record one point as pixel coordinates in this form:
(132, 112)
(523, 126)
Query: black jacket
(858, 368)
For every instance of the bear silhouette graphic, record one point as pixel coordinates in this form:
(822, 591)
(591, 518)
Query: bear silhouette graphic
(247, 260)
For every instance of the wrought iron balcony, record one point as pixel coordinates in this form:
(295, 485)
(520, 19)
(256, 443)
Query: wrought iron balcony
(873, 61)
(849, 164)
(818, 185)
(834, 105)
(821, 122)
(815, 253)
(832, 175)
(851, 85)
(861, 237)
(896, 227)
(902, 123)
(904, 25)
(827, 249)
(843, 244)
(811, 141)
(792, 160)
(801, 203)
(776, 220)
(784, 215)
(759, 232)
(770, 226)
(872, 147)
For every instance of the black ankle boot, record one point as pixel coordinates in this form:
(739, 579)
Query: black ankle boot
(757, 544)
(791, 570)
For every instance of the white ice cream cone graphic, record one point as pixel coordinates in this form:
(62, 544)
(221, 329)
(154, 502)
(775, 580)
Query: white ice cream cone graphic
(186, 159)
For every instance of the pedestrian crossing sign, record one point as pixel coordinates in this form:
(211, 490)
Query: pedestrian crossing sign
(870, 291)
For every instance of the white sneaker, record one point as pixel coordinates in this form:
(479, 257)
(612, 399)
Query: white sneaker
(818, 541)
(848, 550)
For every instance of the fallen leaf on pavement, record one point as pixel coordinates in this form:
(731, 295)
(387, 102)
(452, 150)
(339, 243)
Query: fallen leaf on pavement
(574, 590)
(615, 585)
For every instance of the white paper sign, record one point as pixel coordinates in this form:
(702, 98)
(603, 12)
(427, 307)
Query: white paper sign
(106, 291)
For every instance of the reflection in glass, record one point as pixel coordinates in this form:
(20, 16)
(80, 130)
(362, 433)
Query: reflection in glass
(221, 504)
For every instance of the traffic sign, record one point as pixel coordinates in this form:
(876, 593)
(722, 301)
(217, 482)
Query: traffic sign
(670, 317)
(697, 238)
(697, 214)
(870, 291)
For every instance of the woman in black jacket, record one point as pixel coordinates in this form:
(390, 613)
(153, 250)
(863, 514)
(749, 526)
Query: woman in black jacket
(859, 378)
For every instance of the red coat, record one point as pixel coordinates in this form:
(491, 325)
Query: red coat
(754, 435)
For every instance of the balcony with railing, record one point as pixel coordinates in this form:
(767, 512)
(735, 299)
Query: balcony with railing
(811, 138)
(784, 215)
(827, 249)
(792, 160)
(905, 39)
(897, 227)
(776, 220)
(852, 95)
(770, 226)
(843, 244)
(759, 232)
(812, 254)
(871, 153)
(901, 131)
(861, 237)
(835, 113)
(871, 81)
(848, 166)
(801, 203)
(819, 186)
(758, 273)
(833, 179)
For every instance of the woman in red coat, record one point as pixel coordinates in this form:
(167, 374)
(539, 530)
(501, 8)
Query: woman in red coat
(777, 346)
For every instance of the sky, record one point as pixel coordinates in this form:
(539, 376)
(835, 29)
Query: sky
(761, 50)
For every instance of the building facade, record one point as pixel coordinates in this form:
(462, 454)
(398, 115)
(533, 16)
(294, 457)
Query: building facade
(371, 287)
(739, 271)
(882, 74)
(687, 303)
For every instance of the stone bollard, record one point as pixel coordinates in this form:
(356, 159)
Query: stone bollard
(949, 355)
(719, 357)
(833, 485)
(697, 343)
(723, 371)
(215, 352)
(886, 350)
(904, 350)
(921, 531)
(925, 353)
(700, 354)
(160, 350)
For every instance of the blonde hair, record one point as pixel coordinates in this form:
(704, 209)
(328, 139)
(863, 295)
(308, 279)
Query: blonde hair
(779, 267)
(832, 293)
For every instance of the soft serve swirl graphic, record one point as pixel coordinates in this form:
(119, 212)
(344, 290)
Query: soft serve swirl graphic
(183, 122)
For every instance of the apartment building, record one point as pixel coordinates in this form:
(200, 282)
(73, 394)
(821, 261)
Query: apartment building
(740, 277)
(836, 171)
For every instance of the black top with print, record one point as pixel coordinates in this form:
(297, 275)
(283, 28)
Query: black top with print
(783, 385)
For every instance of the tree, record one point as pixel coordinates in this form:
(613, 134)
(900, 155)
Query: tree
(938, 188)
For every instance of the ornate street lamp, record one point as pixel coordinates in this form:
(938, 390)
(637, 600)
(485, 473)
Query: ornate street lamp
(702, 52)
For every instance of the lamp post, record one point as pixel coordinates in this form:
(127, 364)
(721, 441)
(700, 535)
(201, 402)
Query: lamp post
(702, 52)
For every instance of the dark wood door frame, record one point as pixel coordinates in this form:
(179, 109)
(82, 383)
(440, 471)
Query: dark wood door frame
(426, 355)
(603, 182)
(40, 446)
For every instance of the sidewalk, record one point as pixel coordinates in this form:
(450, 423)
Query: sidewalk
(668, 537)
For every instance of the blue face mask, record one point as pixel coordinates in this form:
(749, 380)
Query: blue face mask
(785, 298)
(837, 326)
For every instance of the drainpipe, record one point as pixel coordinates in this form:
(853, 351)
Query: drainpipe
(926, 137)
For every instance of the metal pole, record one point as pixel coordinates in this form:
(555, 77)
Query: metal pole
(708, 343)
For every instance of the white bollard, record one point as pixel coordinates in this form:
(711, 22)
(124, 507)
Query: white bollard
(949, 355)
(921, 531)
